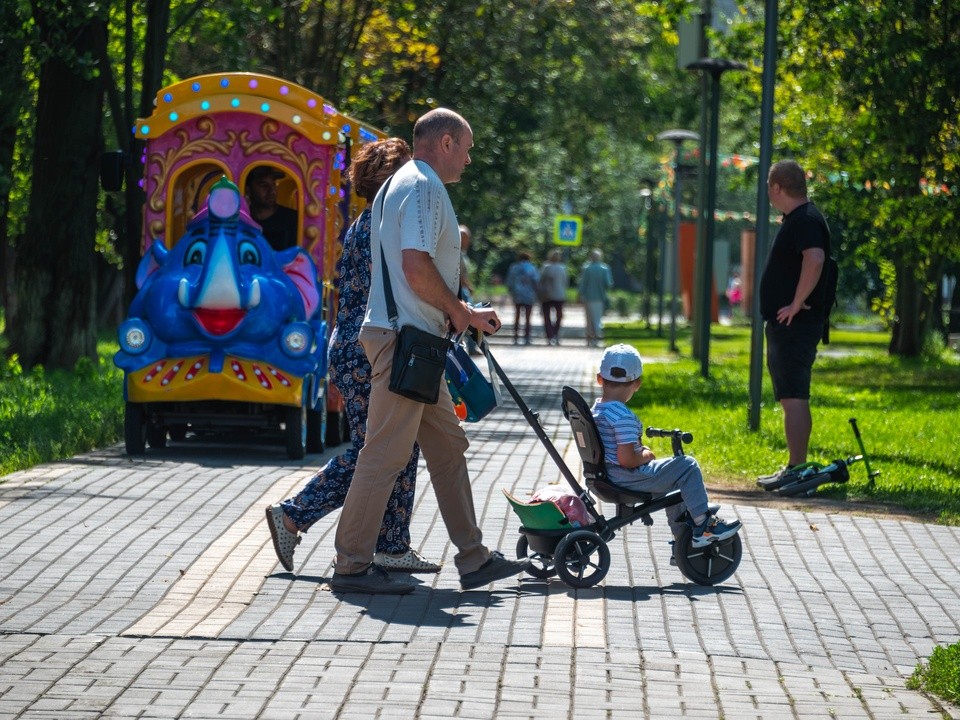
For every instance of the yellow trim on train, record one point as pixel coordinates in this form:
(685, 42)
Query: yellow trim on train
(189, 379)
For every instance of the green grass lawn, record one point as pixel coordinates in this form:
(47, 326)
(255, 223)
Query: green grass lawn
(48, 416)
(908, 412)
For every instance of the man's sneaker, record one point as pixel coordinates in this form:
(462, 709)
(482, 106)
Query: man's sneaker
(410, 562)
(783, 476)
(713, 529)
(497, 567)
(284, 541)
(372, 581)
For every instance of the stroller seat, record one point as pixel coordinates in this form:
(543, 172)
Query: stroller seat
(611, 493)
(587, 437)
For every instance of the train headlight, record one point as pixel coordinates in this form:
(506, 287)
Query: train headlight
(135, 336)
(297, 339)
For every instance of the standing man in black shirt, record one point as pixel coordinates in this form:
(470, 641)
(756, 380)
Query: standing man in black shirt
(279, 223)
(791, 302)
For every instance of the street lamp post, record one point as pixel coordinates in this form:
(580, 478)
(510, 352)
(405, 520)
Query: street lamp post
(651, 273)
(763, 208)
(704, 296)
(677, 137)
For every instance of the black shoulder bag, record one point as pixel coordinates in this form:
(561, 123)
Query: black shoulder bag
(419, 358)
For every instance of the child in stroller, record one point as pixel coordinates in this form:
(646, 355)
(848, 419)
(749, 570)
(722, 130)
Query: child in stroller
(578, 553)
(633, 466)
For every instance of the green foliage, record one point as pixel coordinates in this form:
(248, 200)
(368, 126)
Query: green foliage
(868, 103)
(47, 416)
(566, 98)
(907, 411)
(941, 676)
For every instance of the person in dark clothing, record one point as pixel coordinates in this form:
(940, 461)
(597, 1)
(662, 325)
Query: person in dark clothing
(791, 302)
(280, 224)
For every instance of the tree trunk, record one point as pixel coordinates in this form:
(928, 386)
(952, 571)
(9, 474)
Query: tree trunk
(953, 324)
(154, 59)
(907, 338)
(13, 90)
(56, 321)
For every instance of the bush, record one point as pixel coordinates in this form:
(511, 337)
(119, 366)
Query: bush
(47, 416)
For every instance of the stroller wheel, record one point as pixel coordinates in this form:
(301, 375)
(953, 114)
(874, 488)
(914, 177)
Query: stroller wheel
(541, 565)
(582, 559)
(707, 565)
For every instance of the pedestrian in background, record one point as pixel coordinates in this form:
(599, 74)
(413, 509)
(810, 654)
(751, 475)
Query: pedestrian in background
(522, 281)
(595, 281)
(553, 293)
(791, 302)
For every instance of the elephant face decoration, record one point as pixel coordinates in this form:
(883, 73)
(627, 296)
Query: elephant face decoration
(222, 291)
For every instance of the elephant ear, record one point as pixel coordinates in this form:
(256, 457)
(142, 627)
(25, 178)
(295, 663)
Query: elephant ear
(152, 261)
(301, 270)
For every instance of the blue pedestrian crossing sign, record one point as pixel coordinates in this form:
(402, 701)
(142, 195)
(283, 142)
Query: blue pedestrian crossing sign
(568, 230)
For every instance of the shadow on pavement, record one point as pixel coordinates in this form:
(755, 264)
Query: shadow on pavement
(626, 593)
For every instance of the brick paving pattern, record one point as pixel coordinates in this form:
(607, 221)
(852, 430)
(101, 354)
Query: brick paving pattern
(148, 588)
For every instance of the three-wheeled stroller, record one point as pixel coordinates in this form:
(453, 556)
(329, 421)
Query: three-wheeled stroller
(580, 556)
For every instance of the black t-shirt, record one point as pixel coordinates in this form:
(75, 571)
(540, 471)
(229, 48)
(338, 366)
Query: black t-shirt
(280, 229)
(802, 229)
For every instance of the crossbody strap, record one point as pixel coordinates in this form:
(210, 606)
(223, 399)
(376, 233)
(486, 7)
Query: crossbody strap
(387, 289)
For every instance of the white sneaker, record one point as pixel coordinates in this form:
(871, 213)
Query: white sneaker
(284, 541)
(411, 562)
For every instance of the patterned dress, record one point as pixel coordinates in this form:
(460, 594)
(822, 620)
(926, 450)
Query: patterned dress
(350, 372)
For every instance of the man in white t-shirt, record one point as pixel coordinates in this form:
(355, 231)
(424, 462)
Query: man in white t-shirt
(415, 225)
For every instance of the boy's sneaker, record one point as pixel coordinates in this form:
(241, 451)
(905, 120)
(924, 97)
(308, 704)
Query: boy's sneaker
(713, 529)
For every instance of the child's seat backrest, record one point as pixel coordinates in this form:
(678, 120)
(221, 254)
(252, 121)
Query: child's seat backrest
(585, 433)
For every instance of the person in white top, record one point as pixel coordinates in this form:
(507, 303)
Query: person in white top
(415, 225)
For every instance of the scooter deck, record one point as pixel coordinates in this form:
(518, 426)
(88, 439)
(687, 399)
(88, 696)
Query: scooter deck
(807, 484)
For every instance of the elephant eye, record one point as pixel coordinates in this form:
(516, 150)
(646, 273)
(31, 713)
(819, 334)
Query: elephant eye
(196, 253)
(248, 253)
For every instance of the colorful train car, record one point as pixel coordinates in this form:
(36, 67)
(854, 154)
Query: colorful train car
(227, 332)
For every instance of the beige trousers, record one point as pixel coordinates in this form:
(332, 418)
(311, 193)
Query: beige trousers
(394, 423)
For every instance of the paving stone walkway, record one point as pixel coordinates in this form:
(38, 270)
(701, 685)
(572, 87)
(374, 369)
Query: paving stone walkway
(149, 588)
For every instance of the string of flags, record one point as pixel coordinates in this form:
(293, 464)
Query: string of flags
(741, 163)
(691, 211)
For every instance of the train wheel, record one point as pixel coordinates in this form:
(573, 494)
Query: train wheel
(338, 431)
(318, 429)
(295, 420)
(135, 429)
